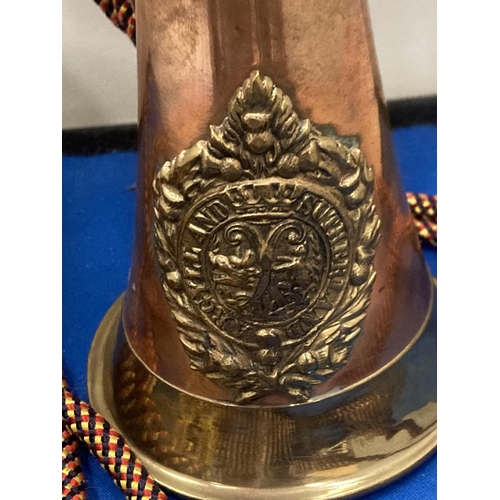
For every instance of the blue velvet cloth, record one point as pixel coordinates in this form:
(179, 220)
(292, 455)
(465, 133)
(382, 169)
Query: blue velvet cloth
(98, 221)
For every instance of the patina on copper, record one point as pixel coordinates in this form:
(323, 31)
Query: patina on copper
(359, 408)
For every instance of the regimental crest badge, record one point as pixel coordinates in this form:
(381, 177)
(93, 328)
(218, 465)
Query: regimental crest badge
(265, 236)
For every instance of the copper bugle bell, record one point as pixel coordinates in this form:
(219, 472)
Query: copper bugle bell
(278, 333)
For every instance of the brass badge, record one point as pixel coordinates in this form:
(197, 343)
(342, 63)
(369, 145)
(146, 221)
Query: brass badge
(265, 236)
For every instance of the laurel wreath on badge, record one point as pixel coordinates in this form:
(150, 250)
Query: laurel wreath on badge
(265, 236)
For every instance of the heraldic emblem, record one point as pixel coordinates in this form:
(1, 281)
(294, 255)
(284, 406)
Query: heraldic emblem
(265, 236)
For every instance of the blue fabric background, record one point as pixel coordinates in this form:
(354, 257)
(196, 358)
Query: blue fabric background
(98, 221)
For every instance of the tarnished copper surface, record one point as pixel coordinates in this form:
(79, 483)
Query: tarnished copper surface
(192, 56)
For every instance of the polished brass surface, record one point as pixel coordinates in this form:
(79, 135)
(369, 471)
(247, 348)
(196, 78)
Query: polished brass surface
(265, 237)
(333, 447)
(274, 337)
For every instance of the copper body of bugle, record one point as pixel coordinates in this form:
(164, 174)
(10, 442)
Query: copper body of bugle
(278, 302)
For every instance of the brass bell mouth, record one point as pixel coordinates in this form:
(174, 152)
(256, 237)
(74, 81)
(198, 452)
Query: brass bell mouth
(339, 446)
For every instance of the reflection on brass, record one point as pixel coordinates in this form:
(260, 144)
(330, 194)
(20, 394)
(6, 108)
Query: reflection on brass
(265, 236)
(134, 387)
(144, 422)
(323, 449)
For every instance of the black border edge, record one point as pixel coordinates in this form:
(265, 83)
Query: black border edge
(413, 111)
(98, 140)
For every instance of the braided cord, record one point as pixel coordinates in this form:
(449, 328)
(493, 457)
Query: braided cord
(73, 482)
(424, 212)
(82, 422)
(121, 13)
